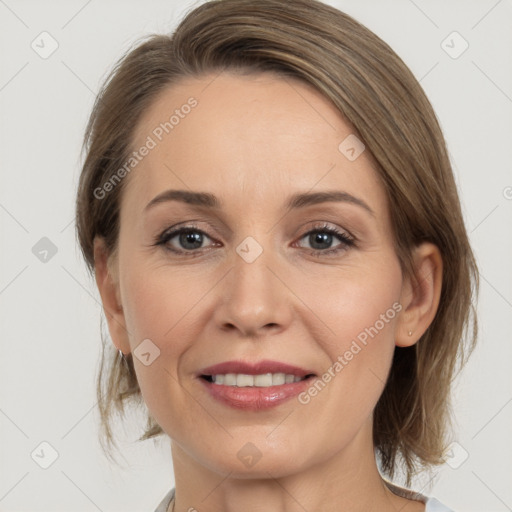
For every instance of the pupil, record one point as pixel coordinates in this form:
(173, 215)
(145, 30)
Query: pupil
(321, 238)
(195, 239)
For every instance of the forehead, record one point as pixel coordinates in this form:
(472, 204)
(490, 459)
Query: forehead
(245, 138)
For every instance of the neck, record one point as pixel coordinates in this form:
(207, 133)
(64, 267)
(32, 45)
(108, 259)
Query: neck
(345, 481)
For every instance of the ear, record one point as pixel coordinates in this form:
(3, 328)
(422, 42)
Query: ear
(108, 285)
(420, 295)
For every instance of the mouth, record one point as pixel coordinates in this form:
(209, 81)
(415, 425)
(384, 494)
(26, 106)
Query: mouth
(254, 386)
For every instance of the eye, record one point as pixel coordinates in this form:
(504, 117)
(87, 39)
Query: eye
(183, 240)
(189, 240)
(321, 238)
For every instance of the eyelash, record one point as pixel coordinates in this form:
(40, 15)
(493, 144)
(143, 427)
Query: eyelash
(347, 240)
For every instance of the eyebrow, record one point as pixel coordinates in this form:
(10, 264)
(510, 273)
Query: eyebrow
(296, 201)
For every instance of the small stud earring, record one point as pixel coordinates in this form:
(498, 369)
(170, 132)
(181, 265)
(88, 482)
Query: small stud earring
(410, 333)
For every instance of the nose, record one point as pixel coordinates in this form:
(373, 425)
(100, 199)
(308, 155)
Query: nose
(254, 298)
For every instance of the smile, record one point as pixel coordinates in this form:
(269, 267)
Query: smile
(243, 380)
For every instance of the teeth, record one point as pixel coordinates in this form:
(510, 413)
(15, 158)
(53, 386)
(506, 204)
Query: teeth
(264, 380)
(243, 380)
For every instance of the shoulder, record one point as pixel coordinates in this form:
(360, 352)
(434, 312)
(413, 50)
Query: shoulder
(431, 504)
(434, 505)
(163, 506)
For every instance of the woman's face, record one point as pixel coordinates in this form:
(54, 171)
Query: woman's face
(252, 282)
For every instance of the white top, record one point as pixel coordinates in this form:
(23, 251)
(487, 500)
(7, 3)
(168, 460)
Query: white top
(431, 504)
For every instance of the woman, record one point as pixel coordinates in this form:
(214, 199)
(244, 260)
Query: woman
(269, 210)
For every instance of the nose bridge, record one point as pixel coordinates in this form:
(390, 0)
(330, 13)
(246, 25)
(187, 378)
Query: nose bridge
(251, 273)
(255, 298)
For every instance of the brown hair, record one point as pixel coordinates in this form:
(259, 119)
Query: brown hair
(379, 96)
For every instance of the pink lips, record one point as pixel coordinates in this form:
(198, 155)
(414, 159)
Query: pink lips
(254, 398)
(258, 368)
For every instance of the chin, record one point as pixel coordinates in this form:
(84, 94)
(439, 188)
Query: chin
(269, 465)
(254, 456)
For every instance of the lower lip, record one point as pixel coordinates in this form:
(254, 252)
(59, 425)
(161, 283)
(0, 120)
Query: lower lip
(255, 398)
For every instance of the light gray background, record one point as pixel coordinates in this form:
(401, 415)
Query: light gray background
(50, 311)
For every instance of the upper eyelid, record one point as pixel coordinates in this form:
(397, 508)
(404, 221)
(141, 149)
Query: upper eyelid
(193, 225)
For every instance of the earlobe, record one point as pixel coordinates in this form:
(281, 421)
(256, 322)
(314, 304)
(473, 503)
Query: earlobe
(421, 294)
(108, 287)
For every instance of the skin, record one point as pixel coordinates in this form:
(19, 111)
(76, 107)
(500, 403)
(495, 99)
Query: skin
(252, 141)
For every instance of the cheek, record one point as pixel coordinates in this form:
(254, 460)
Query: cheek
(359, 312)
(159, 303)
(163, 306)
(359, 302)
(362, 314)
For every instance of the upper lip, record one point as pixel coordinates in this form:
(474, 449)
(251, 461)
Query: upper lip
(255, 368)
